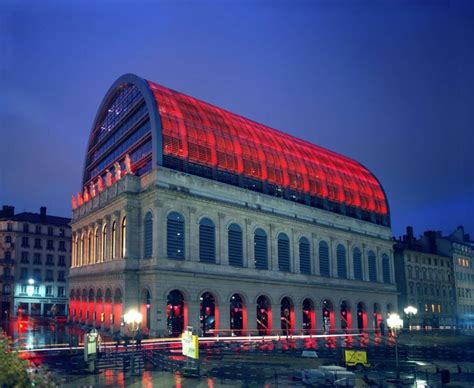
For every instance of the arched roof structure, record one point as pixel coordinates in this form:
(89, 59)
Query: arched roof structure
(155, 125)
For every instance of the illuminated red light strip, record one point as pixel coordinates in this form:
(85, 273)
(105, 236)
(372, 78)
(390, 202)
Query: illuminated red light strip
(198, 131)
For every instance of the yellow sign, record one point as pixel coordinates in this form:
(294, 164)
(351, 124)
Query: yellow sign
(355, 357)
(190, 344)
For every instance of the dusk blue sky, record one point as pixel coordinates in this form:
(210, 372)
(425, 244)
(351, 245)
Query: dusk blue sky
(390, 84)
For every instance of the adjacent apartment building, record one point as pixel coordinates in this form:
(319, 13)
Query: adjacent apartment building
(35, 255)
(198, 216)
(435, 273)
(425, 281)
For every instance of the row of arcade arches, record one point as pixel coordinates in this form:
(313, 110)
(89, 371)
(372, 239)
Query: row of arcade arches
(104, 309)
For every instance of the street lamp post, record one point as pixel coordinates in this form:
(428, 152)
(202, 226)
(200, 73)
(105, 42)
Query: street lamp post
(133, 319)
(395, 323)
(410, 312)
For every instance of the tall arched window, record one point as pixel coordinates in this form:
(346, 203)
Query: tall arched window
(104, 243)
(284, 253)
(305, 257)
(260, 249)
(386, 269)
(372, 266)
(357, 261)
(123, 247)
(175, 236)
(341, 261)
(148, 236)
(207, 241)
(96, 245)
(324, 267)
(235, 245)
(114, 239)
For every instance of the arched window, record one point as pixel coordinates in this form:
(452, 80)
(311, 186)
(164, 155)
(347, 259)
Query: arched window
(324, 267)
(357, 260)
(372, 266)
(305, 257)
(104, 243)
(341, 261)
(123, 248)
(235, 245)
(386, 269)
(148, 236)
(284, 253)
(207, 241)
(114, 239)
(175, 236)
(96, 245)
(260, 249)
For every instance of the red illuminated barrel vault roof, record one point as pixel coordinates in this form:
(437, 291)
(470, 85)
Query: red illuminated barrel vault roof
(204, 134)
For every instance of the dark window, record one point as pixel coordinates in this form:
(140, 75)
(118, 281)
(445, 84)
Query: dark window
(37, 243)
(372, 266)
(25, 242)
(38, 229)
(284, 253)
(62, 246)
(8, 255)
(37, 258)
(49, 275)
(24, 257)
(62, 261)
(26, 228)
(8, 239)
(49, 245)
(49, 260)
(49, 290)
(148, 236)
(37, 274)
(207, 241)
(50, 231)
(324, 267)
(175, 236)
(61, 276)
(260, 249)
(61, 232)
(305, 258)
(386, 269)
(357, 259)
(60, 292)
(341, 261)
(235, 245)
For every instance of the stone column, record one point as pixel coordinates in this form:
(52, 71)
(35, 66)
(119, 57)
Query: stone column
(294, 252)
(315, 254)
(249, 252)
(365, 263)
(224, 317)
(159, 231)
(332, 257)
(193, 315)
(276, 315)
(222, 254)
(192, 236)
(298, 311)
(251, 309)
(350, 262)
(106, 251)
(134, 231)
(378, 261)
(273, 251)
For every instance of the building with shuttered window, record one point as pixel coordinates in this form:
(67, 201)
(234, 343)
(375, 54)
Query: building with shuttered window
(197, 216)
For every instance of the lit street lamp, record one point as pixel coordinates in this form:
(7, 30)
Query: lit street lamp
(133, 319)
(394, 323)
(410, 312)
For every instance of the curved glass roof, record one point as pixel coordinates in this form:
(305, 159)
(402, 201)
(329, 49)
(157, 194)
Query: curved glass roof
(156, 125)
(201, 133)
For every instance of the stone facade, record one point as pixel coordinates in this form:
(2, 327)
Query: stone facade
(106, 280)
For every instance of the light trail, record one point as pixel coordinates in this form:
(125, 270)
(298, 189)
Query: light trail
(148, 343)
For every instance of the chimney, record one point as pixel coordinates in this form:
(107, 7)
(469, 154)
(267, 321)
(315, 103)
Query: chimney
(410, 237)
(7, 211)
(43, 213)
